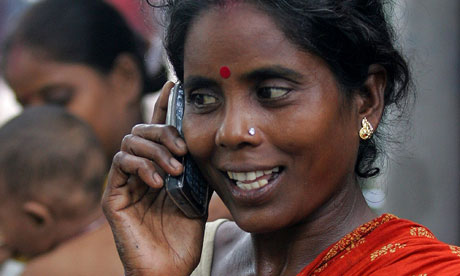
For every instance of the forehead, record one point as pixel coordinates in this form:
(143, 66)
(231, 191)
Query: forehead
(26, 68)
(30, 71)
(235, 32)
(22, 57)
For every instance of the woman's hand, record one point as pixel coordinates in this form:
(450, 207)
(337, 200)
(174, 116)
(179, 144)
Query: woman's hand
(152, 235)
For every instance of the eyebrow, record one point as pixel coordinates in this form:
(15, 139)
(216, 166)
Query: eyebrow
(276, 71)
(198, 81)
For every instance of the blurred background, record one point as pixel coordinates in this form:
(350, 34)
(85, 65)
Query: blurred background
(423, 181)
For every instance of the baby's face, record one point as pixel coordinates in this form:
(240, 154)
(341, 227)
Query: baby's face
(21, 234)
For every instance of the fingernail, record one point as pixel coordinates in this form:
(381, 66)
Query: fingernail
(180, 143)
(175, 163)
(158, 179)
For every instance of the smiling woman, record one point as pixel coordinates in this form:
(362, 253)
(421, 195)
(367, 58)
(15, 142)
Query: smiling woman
(283, 105)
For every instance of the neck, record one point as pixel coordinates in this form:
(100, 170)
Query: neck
(81, 227)
(287, 251)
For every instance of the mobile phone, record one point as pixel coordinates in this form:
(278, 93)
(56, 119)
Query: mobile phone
(189, 191)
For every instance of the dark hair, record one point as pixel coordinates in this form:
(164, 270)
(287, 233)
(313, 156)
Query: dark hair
(45, 144)
(90, 32)
(350, 35)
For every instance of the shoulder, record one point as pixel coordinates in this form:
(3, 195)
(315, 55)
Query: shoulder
(405, 247)
(207, 252)
(388, 246)
(222, 238)
(226, 238)
(230, 239)
(92, 254)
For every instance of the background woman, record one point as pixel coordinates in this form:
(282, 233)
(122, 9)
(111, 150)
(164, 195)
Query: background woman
(82, 55)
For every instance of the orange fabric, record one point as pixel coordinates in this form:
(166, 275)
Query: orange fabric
(387, 245)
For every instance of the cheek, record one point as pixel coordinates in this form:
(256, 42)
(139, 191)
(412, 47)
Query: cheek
(199, 133)
(93, 104)
(98, 113)
(297, 129)
(321, 142)
(14, 234)
(324, 159)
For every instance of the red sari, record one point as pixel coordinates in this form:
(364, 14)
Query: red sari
(387, 245)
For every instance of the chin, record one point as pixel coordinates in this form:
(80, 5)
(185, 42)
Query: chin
(259, 223)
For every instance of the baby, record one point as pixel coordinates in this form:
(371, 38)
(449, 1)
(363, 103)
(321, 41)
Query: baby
(51, 170)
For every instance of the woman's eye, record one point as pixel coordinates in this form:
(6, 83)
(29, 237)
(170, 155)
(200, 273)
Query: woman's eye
(272, 92)
(60, 97)
(202, 99)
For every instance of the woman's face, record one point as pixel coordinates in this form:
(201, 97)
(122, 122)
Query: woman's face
(306, 133)
(85, 92)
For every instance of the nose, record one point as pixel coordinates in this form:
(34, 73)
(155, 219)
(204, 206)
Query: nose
(238, 129)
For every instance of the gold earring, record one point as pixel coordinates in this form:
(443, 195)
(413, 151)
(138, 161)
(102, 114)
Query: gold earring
(366, 130)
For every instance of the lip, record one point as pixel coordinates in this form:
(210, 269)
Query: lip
(256, 196)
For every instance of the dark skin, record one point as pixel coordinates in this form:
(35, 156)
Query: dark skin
(306, 137)
(108, 102)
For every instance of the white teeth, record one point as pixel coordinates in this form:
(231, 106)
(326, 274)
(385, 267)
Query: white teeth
(253, 185)
(242, 178)
(250, 176)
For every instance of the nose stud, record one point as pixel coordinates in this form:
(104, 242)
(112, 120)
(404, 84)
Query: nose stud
(252, 131)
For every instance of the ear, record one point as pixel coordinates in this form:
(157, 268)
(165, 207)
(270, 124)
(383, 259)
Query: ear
(126, 79)
(370, 99)
(38, 213)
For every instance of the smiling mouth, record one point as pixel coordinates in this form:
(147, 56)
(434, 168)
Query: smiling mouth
(253, 180)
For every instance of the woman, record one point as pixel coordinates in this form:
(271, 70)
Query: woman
(82, 55)
(284, 101)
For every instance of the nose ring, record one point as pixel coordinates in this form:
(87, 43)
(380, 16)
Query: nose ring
(252, 131)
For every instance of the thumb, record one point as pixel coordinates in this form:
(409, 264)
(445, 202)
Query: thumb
(161, 105)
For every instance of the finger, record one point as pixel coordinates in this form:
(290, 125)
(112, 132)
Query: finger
(125, 164)
(156, 153)
(138, 190)
(162, 134)
(125, 196)
(136, 187)
(118, 193)
(161, 105)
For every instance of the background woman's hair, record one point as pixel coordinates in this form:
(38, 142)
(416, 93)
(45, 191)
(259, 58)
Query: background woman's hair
(350, 35)
(89, 32)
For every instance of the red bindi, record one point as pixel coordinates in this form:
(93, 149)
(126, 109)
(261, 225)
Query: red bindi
(225, 72)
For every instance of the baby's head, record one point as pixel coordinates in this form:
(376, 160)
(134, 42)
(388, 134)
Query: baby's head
(51, 172)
